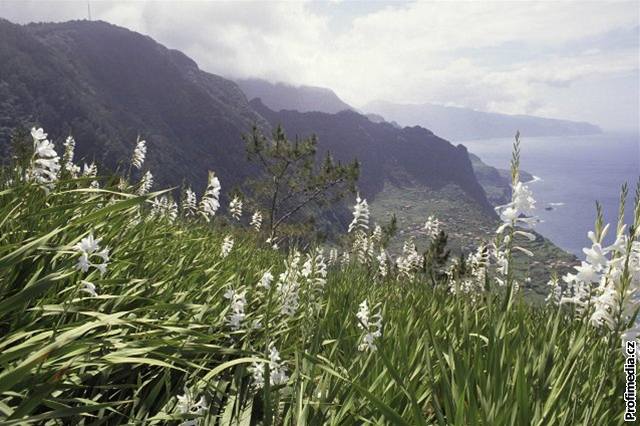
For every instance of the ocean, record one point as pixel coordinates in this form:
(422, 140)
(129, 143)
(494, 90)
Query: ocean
(571, 173)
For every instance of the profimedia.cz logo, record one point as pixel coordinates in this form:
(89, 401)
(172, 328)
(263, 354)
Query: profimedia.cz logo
(630, 376)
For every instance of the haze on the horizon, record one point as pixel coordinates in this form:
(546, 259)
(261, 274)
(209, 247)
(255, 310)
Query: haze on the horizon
(570, 60)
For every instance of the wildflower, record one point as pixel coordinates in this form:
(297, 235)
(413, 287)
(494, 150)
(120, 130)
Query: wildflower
(373, 329)
(432, 227)
(333, 256)
(360, 216)
(288, 285)
(227, 245)
(238, 302)
(315, 270)
(139, 154)
(410, 261)
(606, 308)
(383, 268)
(345, 258)
(90, 170)
(266, 280)
(189, 208)
(235, 208)
(67, 159)
(89, 288)
(89, 248)
(376, 237)
(45, 162)
(210, 200)
(273, 242)
(361, 247)
(145, 183)
(256, 220)
(187, 405)
(518, 211)
(555, 292)
(277, 371)
(38, 134)
(163, 207)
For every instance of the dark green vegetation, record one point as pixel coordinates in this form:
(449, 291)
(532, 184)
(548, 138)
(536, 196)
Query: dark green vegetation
(159, 325)
(290, 184)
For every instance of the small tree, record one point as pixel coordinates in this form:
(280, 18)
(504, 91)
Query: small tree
(292, 179)
(436, 256)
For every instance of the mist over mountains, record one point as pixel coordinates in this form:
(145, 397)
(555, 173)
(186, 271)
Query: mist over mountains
(456, 123)
(106, 85)
(452, 123)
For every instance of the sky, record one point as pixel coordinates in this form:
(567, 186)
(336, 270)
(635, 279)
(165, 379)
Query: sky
(559, 59)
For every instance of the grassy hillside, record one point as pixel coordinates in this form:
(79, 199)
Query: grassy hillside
(467, 227)
(176, 323)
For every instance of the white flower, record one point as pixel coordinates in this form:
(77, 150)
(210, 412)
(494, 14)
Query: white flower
(210, 203)
(266, 280)
(145, 183)
(235, 208)
(89, 288)
(238, 302)
(288, 285)
(518, 211)
(189, 204)
(410, 261)
(227, 245)
(432, 227)
(362, 247)
(45, 164)
(333, 256)
(89, 248)
(38, 134)
(256, 220)
(139, 154)
(90, 170)
(67, 159)
(187, 405)
(277, 371)
(315, 270)
(606, 308)
(555, 292)
(373, 329)
(162, 207)
(383, 268)
(376, 237)
(587, 273)
(360, 220)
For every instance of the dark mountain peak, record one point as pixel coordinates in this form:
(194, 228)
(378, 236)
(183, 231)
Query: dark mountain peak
(386, 152)
(106, 85)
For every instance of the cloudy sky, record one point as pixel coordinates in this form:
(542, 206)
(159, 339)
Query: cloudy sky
(574, 60)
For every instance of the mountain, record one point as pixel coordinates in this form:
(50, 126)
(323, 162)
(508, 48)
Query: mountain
(105, 85)
(459, 124)
(279, 96)
(411, 155)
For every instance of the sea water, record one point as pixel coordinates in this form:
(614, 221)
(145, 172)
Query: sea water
(571, 173)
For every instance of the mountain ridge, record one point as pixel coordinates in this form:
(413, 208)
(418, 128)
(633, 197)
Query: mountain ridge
(456, 123)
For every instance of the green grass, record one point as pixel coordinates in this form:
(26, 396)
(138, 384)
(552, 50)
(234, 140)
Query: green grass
(159, 324)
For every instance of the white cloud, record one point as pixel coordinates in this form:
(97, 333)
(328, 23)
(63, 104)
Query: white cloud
(407, 52)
